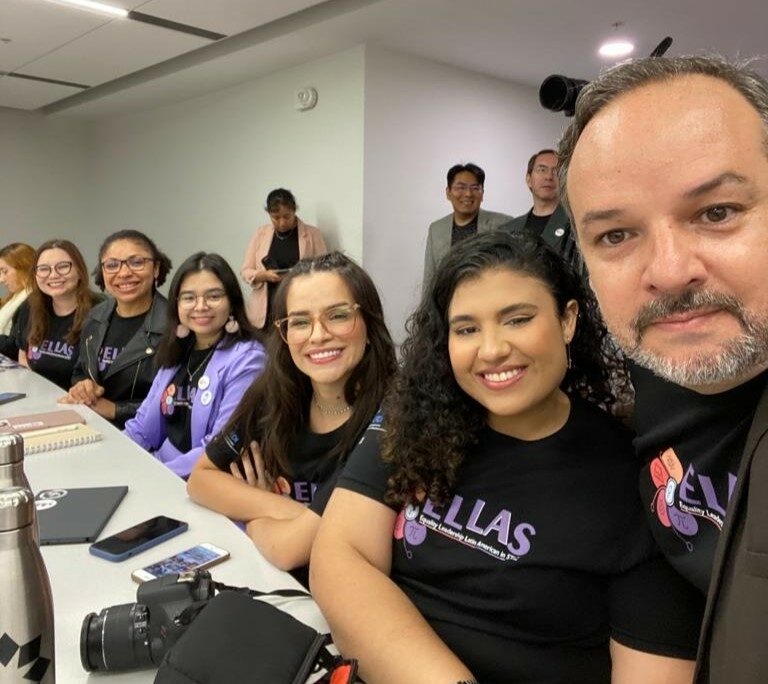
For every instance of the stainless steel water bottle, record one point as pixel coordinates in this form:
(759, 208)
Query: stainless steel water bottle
(12, 461)
(26, 604)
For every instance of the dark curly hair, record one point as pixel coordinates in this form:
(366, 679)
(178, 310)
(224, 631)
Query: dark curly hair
(276, 406)
(431, 422)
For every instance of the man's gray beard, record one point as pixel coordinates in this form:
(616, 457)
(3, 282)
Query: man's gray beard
(737, 357)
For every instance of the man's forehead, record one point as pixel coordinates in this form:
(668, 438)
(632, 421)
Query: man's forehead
(667, 123)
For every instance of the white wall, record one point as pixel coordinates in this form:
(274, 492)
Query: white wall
(421, 117)
(194, 175)
(42, 178)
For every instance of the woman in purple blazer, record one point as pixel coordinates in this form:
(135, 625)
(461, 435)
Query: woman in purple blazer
(206, 360)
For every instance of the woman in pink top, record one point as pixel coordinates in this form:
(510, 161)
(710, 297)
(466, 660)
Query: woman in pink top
(274, 249)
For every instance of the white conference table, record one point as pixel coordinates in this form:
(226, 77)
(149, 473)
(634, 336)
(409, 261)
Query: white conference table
(83, 583)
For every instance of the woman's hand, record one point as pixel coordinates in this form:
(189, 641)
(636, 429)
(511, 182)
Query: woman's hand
(250, 469)
(268, 276)
(84, 392)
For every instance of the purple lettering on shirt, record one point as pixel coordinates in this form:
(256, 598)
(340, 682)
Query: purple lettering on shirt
(430, 511)
(523, 545)
(477, 509)
(301, 491)
(450, 516)
(709, 494)
(501, 524)
(686, 486)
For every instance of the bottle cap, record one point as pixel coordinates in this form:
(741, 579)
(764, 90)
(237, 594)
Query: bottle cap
(17, 508)
(11, 448)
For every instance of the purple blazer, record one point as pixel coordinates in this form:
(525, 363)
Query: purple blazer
(230, 371)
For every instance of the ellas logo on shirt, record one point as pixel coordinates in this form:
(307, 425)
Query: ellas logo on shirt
(470, 522)
(683, 497)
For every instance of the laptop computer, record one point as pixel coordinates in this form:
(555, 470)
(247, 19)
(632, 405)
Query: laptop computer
(75, 516)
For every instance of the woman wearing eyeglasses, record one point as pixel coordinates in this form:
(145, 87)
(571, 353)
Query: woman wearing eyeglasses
(47, 330)
(16, 262)
(207, 359)
(115, 367)
(330, 358)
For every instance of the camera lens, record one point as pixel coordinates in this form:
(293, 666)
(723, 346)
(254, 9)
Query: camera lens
(116, 639)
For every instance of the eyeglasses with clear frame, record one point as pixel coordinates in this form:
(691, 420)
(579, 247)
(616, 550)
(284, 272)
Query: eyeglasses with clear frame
(136, 263)
(62, 268)
(460, 188)
(212, 298)
(338, 320)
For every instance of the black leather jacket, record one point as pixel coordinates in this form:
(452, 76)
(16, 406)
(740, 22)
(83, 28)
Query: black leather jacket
(139, 352)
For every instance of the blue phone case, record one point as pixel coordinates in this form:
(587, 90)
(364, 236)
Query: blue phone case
(117, 557)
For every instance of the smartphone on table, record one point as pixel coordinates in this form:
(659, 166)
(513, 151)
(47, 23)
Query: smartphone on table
(197, 558)
(8, 397)
(138, 538)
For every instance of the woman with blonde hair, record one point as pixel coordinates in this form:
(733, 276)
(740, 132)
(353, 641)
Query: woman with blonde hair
(16, 261)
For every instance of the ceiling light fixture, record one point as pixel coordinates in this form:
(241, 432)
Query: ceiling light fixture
(616, 48)
(96, 7)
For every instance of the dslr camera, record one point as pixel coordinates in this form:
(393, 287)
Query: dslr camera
(136, 635)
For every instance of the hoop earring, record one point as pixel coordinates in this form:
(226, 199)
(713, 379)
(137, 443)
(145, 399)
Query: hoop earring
(182, 331)
(232, 326)
(568, 354)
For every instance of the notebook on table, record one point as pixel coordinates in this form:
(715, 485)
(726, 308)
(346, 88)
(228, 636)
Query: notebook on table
(51, 430)
(75, 516)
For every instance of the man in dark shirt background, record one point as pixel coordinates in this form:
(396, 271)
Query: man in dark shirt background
(546, 218)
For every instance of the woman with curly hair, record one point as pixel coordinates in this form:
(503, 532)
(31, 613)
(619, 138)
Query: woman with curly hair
(47, 331)
(488, 527)
(330, 359)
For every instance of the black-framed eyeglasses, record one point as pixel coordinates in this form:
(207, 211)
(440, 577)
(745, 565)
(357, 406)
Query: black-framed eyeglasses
(62, 268)
(339, 321)
(187, 300)
(135, 263)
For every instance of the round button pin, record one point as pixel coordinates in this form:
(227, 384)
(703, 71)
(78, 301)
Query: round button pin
(206, 397)
(203, 382)
(560, 232)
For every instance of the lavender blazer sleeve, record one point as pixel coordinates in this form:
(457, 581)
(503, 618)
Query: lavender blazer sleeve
(229, 372)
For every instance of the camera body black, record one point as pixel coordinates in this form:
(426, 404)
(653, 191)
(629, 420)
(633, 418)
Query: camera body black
(135, 635)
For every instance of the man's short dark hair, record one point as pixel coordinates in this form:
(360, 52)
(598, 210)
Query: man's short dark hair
(474, 169)
(532, 160)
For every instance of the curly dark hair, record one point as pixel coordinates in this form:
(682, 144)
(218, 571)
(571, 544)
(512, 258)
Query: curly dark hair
(276, 406)
(431, 422)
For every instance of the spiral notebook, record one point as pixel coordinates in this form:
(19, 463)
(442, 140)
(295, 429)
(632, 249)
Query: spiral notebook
(63, 438)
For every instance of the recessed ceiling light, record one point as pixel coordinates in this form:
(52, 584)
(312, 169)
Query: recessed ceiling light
(616, 48)
(96, 7)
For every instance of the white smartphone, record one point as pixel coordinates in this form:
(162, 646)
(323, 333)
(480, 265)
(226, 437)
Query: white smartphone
(197, 558)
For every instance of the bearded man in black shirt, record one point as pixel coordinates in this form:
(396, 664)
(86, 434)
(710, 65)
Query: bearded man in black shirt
(664, 172)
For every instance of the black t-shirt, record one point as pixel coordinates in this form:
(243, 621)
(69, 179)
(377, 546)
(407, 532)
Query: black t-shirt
(459, 233)
(54, 358)
(535, 225)
(313, 475)
(691, 445)
(119, 333)
(541, 554)
(283, 253)
(178, 397)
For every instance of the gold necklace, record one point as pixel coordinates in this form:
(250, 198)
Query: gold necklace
(325, 410)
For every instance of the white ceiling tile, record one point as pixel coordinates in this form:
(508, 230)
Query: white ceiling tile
(111, 51)
(25, 94)
(225, 16)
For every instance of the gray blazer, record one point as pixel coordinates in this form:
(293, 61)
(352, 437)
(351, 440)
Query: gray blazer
(439, 237)
(557, 234)
(732, 645)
